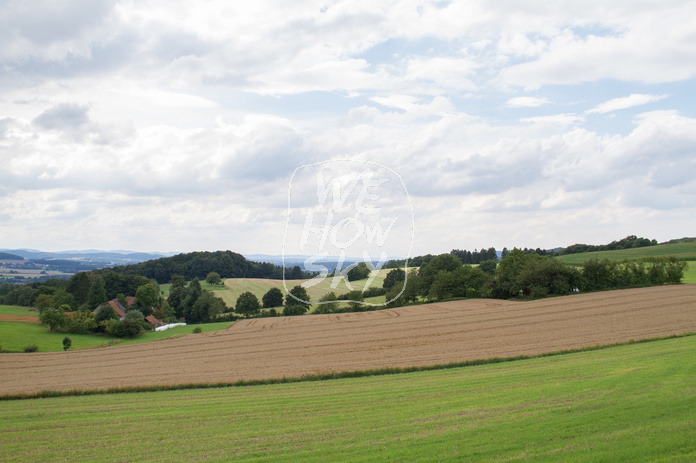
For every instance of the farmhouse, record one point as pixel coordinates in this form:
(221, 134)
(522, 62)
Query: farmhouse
(121, 311)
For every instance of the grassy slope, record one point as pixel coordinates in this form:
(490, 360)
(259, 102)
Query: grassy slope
(690, 273)
(686, 250)
(630, 403)
(236, 286)
(16, 310)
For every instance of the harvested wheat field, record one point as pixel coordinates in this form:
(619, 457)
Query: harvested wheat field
(411, 336)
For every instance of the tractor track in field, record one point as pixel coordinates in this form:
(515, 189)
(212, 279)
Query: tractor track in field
(409, 336)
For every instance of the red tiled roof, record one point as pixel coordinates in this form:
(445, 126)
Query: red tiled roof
(154, 321)
(130, 300)
(118, 308)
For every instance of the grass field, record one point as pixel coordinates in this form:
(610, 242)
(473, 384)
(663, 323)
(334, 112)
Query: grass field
(236, 286)
(631, 403)
(16, 310)
(684, 250)
(15, 336)
(690, 273)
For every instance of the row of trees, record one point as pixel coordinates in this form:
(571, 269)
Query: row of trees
(296, 303)
(629, 242)
(525, 274)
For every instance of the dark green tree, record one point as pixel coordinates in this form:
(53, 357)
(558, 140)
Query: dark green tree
(296, 302)
(79, 286)
(213, 278)
(393, 277)
(177, 281)
(67, 342)
(329, 304)
(272, 298)
(356, 300)
(62, 297)
(96, 294)
(488, 266)
(446, 262)
(105, 313)
(53, 318)
(43, 302)
(176, 300)
(247, 304)
(359, 272)
(146, 297)
(296, 273)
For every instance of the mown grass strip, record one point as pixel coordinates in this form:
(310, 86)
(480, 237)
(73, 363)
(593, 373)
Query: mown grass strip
(326, 376)
(631, 403)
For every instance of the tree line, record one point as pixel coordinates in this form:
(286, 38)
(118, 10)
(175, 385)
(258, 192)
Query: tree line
(192, 265)
(521, 274)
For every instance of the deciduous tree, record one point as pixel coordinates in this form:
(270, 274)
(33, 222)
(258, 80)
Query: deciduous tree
(247, 304)
(272, 298)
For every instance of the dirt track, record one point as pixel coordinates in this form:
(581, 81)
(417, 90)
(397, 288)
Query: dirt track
(19, 318)
(419, 335)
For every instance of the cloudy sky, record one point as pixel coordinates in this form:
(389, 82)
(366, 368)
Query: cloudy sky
(177, 126)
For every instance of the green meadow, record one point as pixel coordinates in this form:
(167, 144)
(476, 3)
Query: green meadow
(629, 403)
(690, 273)
(15, 336)
(236, 286)
(684, 251)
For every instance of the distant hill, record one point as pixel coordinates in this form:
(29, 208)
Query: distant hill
(8, 256)
(684, 249)
(89, 255)
(198, 264)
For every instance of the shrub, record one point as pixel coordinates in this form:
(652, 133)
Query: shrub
(67, 342)
(31, 348)
(293, 310)
(374, 291)
(197, 330)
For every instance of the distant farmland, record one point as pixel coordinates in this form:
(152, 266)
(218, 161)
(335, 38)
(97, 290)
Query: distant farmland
(683, 251)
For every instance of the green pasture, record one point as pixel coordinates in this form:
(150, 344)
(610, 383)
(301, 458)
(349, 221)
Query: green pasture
(16, 310)
(630, 403)
(690, 273)
(684, 251)
(15, 336)
(236, 286)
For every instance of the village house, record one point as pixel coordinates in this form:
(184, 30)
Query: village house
(121, 311)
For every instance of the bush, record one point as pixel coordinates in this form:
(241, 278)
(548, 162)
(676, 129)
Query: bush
(374, 291)
(67, 342)
(293, 310)
(125, 329)
(31, 348)
(81, 323)
(197, 330)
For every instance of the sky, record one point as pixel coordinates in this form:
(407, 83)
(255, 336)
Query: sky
(178, 126)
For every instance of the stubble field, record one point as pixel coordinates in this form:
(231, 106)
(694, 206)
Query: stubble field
(411, 336)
